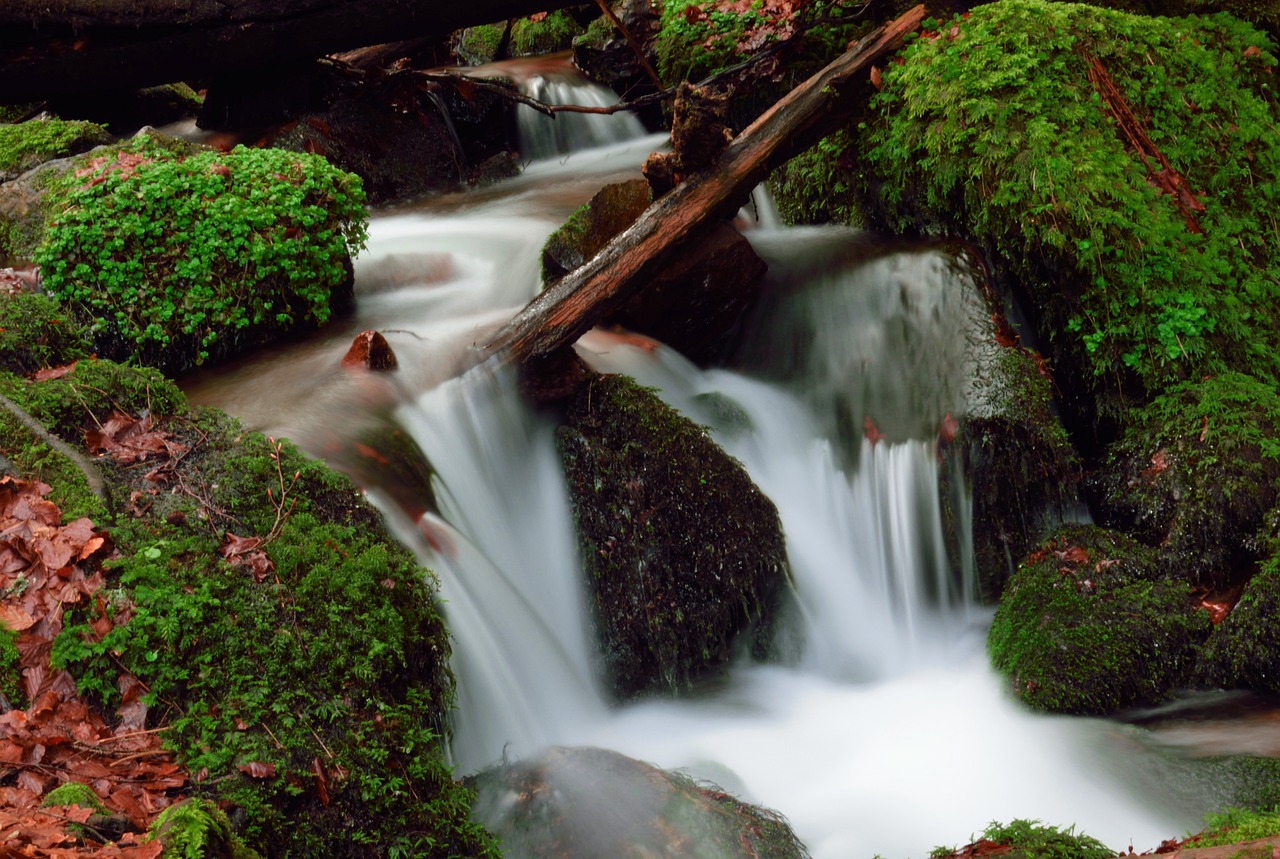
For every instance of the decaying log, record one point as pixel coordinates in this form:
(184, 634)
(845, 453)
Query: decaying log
(76, 46)
(575, 303)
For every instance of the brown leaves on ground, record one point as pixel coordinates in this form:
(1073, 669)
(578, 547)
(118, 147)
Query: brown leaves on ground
(45, 566)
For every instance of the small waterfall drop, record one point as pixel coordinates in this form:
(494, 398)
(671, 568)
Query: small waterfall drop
(883, 730)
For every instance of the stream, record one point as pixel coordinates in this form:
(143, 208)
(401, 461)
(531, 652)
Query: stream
(880, 729)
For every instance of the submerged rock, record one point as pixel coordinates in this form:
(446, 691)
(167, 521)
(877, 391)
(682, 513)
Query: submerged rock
(685, 556)
(587, 803)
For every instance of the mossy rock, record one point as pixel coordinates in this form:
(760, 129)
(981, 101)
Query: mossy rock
(684, 555)
(29, 144)
(1195, 474)
(178, 260)
(610, 210)
(554, 32)
(198, 829)
(1090, 624)
(990, 127)
(588, 802)
(1244, 650)
(1022, 472)
(35, 332)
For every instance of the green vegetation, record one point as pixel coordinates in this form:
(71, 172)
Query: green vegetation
(36, 333)
(28, 144)
(198, 829)
(682, 551)
(1030, 839)
(1090, 624)
(817, 186)
(1233, 825)
(74, 793)
(177, 260)
(991, 126)
(1244, 650)
(1195, 474)
(555, 32)
(10, 679)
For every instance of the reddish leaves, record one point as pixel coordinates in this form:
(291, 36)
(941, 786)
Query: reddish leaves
(131, 440)
(45, 565)
(245, 553)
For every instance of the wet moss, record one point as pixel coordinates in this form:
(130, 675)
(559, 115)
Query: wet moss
(554, 32)
(685, 556)
(1244, 650)
(31, 143)
(609, 211)
(10, 678)
(198, 829)
(74, 793)
(1195, 474)
(35, 332)
(1090, 623)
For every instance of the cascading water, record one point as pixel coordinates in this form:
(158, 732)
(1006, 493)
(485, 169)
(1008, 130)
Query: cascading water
(882, 730)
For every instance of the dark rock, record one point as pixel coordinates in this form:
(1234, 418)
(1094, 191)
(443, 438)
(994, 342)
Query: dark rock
(685, 556)
(371, 351)
(1244, 650)
(604, 55)
(610, 211)
(124, 111)
(554, 378)
(1091, 623)
(587, 803)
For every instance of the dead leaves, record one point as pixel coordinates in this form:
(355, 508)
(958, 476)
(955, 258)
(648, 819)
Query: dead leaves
(45, 566)
(132, 440)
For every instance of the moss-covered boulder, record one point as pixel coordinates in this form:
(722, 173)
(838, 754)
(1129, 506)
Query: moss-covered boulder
(609, 211)
(1195, 474)
(531, 36)
(198, 829)
(29, 144)
(178, 260)
(1115, 168)
(1091, 623)
(585, 803)
(35, 333)
(685, 556)
(293, 654)
(1244, 650)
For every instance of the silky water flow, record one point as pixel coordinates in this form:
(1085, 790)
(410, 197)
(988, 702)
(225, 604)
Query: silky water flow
(881, 729)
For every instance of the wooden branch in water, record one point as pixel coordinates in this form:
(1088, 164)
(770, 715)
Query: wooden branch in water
(585, 296)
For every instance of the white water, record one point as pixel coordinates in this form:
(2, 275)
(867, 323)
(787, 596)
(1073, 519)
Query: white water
(885, 732)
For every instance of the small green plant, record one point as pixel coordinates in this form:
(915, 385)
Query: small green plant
(179, 259)
(75, 793)
(1233, 825)
(1030, 839)
(197, 829)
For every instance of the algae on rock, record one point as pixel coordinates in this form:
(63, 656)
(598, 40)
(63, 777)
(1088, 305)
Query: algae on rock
(685, 557)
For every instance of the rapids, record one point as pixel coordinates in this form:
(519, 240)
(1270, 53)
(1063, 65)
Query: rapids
(880, 729)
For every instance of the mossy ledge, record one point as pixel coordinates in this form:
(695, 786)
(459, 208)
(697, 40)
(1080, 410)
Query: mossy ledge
(684, 555)
(306, 690)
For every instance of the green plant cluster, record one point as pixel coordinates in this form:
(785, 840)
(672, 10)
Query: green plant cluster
(1031, 839)
(1195, 474)
(177, 260)
(198, 829)
(1090, 624)
(1234, 825)
(328, 672)
(683, 552)
(990, 126)
(27, 144)
(555, 32)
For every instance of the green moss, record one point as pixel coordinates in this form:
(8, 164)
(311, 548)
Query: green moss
(35, 333)
(10, 661)
(198, 829)
(311, 688)
(1234, 825)
(610, 211)
(816, 187)
(991, 127)
(682, 551)
(1244, 650)
(1089, 625)
(1030, 839)
(75, 793)
(476, 46)
(555, 32)
(31, 143)
(179, 260)
(1195, 474)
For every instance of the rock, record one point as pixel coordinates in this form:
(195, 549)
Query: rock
(604, 55)
(586, 803)
(685, 557)
(371, 351)
(1244, 650)
(1092, 623)
(610, 211)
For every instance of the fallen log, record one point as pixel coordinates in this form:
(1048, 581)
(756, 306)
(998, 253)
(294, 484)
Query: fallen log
(79, 46)
(574, 304)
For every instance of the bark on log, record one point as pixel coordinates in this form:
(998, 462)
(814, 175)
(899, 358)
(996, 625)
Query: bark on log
(570, 307)
(53, 47)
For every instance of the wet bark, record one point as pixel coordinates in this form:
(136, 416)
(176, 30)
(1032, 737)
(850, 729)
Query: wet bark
(576, 302)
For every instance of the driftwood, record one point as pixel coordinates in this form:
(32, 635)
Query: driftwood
(575, 303)
(54, 47)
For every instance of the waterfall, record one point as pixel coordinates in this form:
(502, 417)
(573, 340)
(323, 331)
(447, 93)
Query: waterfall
(543, 137)
(881, 729)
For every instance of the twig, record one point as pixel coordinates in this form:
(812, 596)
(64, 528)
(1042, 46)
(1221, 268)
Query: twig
(631, 40)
